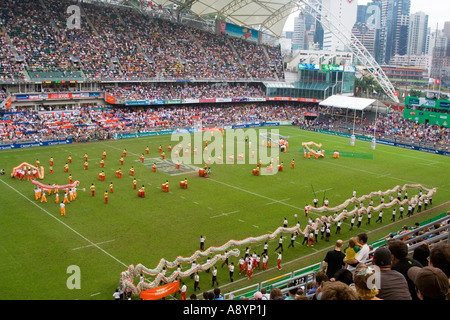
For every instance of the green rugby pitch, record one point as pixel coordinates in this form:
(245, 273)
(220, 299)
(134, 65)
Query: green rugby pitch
(37, 245)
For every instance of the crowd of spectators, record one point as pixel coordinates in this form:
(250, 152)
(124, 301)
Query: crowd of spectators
(390, 126)
(119, 43)
(395, 125)
(10, 70)
(173, 91)
(86, 123)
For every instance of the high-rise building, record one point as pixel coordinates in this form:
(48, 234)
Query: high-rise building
(341, 13)
(417, 37)
(298, 40)
(394, 28)
(367, 28)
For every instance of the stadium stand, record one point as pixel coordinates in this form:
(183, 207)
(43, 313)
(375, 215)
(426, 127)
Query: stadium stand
(118, 43)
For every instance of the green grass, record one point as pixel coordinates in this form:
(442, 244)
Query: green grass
(37, 245)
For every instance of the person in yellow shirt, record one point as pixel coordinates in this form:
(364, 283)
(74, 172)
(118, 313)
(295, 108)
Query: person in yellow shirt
(165, 186)
(141, 192)
(132, 171)
(124, 154)
(102, 163)
(154, 167)
(163, 155)
(292, 163)
(51, 161)
(142, 158)
(51, 169)
(106, 196)
(70, 179)
(351, 251)
(111, 188)
(121, 161)
(92, 190)
(66, 168)
(104, 154)
(134, 183)
(85, 157)
(147, 150)
(69, 159)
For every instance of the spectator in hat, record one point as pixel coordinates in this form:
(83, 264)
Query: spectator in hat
(258, 296)
(393, 285)
(401, 263)
(431, 283)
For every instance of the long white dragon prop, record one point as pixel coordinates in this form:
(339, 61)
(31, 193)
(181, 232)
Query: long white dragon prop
(127, 276)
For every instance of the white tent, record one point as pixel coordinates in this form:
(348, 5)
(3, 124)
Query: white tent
(343, 102)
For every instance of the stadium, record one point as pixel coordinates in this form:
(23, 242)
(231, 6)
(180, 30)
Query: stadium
(164, 150)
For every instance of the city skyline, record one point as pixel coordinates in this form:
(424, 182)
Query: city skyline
(436, 12)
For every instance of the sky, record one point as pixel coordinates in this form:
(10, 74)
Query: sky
(438, 12)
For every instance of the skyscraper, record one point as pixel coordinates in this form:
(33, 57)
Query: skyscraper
(394, 28)
(367, 28)
(341, 13)
(417, 37)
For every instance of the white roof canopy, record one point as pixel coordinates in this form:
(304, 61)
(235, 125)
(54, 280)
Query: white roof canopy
(268, 14)
(351, 103)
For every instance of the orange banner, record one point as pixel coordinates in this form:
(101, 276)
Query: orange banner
(110, 99)
(160, 292)
(8, 103)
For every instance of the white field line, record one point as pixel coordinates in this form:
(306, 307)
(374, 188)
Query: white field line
(224, 214)
(277, 201)
(65, 225)
(88, 246)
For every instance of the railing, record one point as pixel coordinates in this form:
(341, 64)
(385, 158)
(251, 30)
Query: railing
(300, 278)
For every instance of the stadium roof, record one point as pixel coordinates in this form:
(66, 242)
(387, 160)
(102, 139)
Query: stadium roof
(267, 14)
(350, 103)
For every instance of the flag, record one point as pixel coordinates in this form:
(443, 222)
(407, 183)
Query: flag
(150, 3)
(403, 95)
(434, 81)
